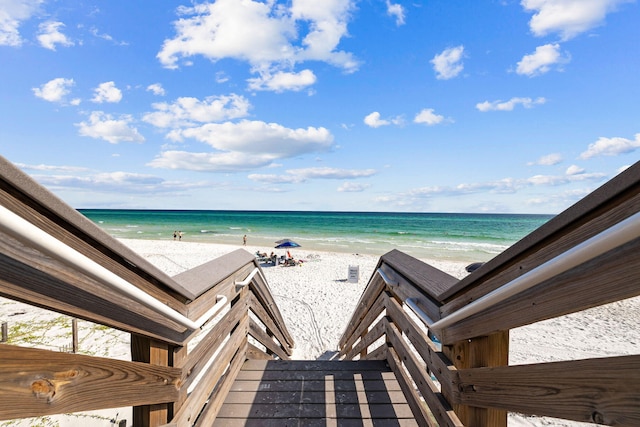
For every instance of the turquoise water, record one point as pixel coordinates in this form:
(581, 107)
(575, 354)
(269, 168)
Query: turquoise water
(460, 237)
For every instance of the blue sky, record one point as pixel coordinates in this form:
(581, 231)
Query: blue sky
(373, 105)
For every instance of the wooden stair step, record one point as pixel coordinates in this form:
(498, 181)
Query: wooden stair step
(309, 393)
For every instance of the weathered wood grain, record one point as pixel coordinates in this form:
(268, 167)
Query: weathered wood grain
(603, 391)
(36, 382)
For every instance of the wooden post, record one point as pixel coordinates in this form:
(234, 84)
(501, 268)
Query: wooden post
(74, 333)
(268, 351)
(363, 353)
(489, 351)
(5, 332)
(179, 360)
(156, 353)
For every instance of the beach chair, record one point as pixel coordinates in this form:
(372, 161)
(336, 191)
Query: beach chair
(262, 257)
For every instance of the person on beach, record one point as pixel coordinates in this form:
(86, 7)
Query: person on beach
(179, 235)
(175, 234)
(244, 240)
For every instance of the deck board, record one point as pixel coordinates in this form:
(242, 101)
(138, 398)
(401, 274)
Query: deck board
(309, 393)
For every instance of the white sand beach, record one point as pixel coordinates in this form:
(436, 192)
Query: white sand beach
(317, 301)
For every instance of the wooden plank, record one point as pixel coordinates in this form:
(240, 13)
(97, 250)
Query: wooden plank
(155, 353)
(299, 392)
(212, 409)
(200, 279)
(437, 362)
(379, 353)
(421, 412)
(314, 410)
(438, 406)
(194, 404)
(200, 354)
(603, 391)
(368, 298)
(311, 375)
(376, 308)
(254, 352)
(346, 385)
(262, 294)
(37, 382)
(311, 422)
(405, 290)
(32, 278)
(226, 288)
(611, 277)
(369, 338)
(491, 351)
(315, 365)
(262, 314)
(263, 338)
(303, 395)
(426, 278)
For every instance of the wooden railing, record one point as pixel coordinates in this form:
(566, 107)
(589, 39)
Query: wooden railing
(189, 333)
(448, 339)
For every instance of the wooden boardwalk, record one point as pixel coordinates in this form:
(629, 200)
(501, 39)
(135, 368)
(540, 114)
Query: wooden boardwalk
(315, 393)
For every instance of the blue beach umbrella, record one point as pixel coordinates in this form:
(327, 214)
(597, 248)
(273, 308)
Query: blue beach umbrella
(286, 243)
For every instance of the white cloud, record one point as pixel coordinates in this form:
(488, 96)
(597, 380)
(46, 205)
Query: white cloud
(548, 160)
(270, 36)
(448, 63)
(50, 168)
(509, 105)
(12, 14)
(260, 137)
(188, 111)
(500, 186)
(294, 176)
(156, 89)
(54, 90)
(281, 81)
(107, 37)
(397, 11)
(49, 35)
(331, 173)
(221, 77)
(572, 174)
(541, 60)
(574, 170)
(209, 162)
(104, 126)
(428, 117)
(275, 179)
(107, 92)
(373, 120)
(120, 182)
(611, 147)
(244, 145)
(569, 18)
(353, 187)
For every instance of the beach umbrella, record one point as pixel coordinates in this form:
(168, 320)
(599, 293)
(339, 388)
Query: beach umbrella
(286, 243)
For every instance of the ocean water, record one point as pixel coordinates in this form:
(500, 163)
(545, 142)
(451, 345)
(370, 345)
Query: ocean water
(445, 236)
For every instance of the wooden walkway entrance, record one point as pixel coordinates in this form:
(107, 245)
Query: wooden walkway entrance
(286, 393)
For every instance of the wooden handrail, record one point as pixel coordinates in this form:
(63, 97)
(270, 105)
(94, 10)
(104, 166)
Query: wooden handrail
(179, 375)
(464, 378)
